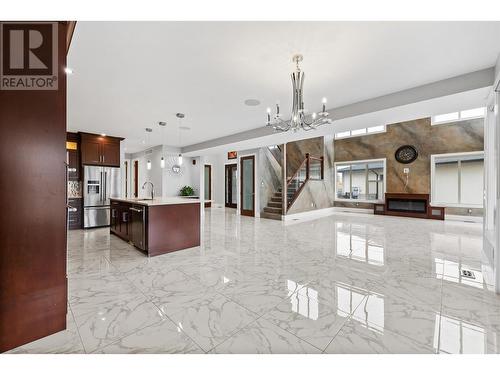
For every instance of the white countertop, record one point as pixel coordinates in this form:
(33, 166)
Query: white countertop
(160, 201)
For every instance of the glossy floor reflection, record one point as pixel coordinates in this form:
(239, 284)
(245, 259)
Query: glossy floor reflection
(346, 283)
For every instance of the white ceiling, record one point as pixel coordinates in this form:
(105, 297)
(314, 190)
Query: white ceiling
(130, 75)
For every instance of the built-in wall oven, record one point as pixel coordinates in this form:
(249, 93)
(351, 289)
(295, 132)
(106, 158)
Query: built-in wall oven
(100, 184)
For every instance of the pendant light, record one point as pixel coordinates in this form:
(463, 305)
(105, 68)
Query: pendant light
(148, 163)
(180, 116)
(162, 159)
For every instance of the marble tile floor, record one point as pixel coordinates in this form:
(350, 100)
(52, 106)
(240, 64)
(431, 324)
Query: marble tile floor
(346, 283)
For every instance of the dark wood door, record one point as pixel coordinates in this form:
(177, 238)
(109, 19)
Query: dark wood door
(136, 179)
(247, 185)
(91, 152)
(230, 183)
(33, 284)
(208, 185)
(110, 154)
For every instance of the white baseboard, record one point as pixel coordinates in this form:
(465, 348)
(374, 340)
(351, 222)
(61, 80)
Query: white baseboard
(308, 214)
(354, 209)
(325, 212)
(473, 219)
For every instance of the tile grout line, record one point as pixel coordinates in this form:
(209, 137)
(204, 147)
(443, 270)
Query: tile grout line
(349, 318)
(77, 328)
(149, 299)
(141, 292)
(259, 317)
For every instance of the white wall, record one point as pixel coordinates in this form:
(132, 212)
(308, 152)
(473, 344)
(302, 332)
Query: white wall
(491, 223)
(172, 183)
(166, 184)
(218, 177)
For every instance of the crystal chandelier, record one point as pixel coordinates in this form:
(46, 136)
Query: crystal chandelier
(299, 116)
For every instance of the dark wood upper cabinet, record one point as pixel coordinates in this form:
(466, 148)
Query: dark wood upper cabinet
(111, 154)
(91, 152)
(99, 150)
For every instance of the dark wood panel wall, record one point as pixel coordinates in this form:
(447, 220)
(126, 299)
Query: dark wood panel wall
(33, 286)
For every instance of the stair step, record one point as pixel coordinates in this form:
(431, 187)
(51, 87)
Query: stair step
(273, 210)
(276, 199)
(274, 204)
(268, 215)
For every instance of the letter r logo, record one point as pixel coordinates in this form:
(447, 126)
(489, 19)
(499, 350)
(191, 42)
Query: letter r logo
(27, 49)
(29, 55)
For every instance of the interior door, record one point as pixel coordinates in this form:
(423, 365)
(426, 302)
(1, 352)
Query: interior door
(208, 185)
(136, 178)
(231, 180)
(247, 188)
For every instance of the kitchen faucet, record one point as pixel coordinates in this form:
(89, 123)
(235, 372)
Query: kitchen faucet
(152, 188)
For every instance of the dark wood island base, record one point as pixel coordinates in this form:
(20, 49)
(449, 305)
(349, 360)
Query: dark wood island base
(158, 226)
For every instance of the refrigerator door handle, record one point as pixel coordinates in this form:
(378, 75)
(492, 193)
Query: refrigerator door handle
(105, 186)
(101, 188)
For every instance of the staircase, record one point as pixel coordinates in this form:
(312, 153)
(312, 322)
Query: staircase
(310, 169)
(274, 208)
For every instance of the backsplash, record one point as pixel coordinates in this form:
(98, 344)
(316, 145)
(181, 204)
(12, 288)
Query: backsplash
(74, 189)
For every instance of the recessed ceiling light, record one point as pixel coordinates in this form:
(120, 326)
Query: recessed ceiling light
(162, 123)
(180, 115)
(149, 130)
(252, 102)
(68, 70)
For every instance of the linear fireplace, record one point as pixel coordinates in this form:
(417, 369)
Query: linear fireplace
(411, 205)
(416, 205)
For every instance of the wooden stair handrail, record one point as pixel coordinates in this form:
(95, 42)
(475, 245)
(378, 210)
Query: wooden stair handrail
(307, 162)
(298, 170)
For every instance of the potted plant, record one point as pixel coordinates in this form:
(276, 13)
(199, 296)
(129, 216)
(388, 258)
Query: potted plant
(187, 191)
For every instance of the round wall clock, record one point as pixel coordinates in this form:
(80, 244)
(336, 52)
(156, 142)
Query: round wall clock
(172, 166)
(406, 154)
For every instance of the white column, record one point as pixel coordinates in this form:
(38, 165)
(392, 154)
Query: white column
(497, 211)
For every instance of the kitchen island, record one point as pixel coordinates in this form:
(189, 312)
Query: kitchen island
(157, 226)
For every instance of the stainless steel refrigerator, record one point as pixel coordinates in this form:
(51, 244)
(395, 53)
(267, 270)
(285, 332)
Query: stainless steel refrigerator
(100, 184)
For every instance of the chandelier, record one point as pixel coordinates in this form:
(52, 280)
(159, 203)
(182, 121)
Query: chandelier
(299, 119)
